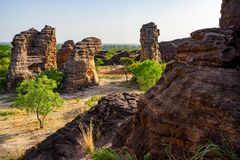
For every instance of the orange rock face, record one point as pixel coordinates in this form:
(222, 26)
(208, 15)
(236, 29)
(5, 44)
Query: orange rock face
(64, 54)
(33, 51)
(80, 70)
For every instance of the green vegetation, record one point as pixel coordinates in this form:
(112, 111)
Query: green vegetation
(112, 76)
(126, 62)
(146, 73)
(91, 102)
(110, 154)
(5, 52)
(37, 96)
(109, 55)
(6, 113)
(55, 75)
(98, 62)
(120, 47)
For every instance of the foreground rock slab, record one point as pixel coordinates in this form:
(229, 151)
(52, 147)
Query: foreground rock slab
(110, 113)
(33, 52)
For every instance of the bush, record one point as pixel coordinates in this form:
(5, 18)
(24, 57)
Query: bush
(55, 75)
(5, 52)
(104, 154)
(98, 62)
(146, 73)
(109, 55)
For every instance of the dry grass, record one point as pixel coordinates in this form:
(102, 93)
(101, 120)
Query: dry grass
(86, 138)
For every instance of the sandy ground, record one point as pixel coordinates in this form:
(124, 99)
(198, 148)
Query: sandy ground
(20, 131)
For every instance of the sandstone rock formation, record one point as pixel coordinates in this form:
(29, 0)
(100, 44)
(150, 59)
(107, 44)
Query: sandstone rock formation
(64, 53)
(149, 42)
(80, 69)
(33, 51)
(107, 116)
(168, 49)
(197, 100)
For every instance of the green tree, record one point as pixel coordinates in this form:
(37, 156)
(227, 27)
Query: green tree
(126, 61)
(37, 96)
(98, 62)
(146, 73)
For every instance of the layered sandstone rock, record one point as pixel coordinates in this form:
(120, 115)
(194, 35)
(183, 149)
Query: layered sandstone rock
(107, 116)
(80, 69)
(64, 53)
(168, 49)
(149, 42)
(230, 14)
(33, 51)
(197, 100)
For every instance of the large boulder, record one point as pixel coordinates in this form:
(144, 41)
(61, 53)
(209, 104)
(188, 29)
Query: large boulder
(230, 14)
(32, 52)
(80, 71)
(168, 49)
(149, 42)
(64, 53)
(197, 100)
(110, 113)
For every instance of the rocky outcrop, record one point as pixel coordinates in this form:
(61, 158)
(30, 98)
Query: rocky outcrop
(115, 59)
(64, 53)
(168, 49)
(149, 42)
(80, 69)
(230, 14)
(107, 116)
(197, 100)
(32, 52)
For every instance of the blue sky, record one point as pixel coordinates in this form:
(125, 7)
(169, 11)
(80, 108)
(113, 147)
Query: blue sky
(113, 21)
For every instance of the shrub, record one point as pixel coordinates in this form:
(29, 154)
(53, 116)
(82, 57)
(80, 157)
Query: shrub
(5, 51)
(109, 55)
(98, 62)
(104, 154)
(126, 61)
(146, 73)
(37, 96)
(55, 75)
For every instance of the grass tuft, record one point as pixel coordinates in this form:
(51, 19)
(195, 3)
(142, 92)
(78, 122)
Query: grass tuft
(6, 113)
(91, 102)
(86, 140)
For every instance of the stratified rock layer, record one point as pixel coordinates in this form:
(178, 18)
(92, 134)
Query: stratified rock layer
(33, 51)
(80, 69)
(168, 49)
(149, 42)
(197, 100)
(230, 14)
(64, 53)
(111, 112)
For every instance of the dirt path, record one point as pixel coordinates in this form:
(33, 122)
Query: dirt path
(19, 131)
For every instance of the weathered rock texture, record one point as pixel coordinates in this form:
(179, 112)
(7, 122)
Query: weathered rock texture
(149, 42)
(230, 14)
(33, 51)
(168, 49)
(107, 116)
(197, 100)
(80, 69)
(64, 53)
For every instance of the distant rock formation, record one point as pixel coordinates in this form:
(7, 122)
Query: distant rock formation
(64, 53)
(197, 99)
(115, 59)
(168, 49)
(33, 51)
(80, 69)
(149, 42)
(111, 111)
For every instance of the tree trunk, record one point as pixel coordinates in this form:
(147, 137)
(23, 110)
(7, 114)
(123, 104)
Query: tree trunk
(40, 121)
